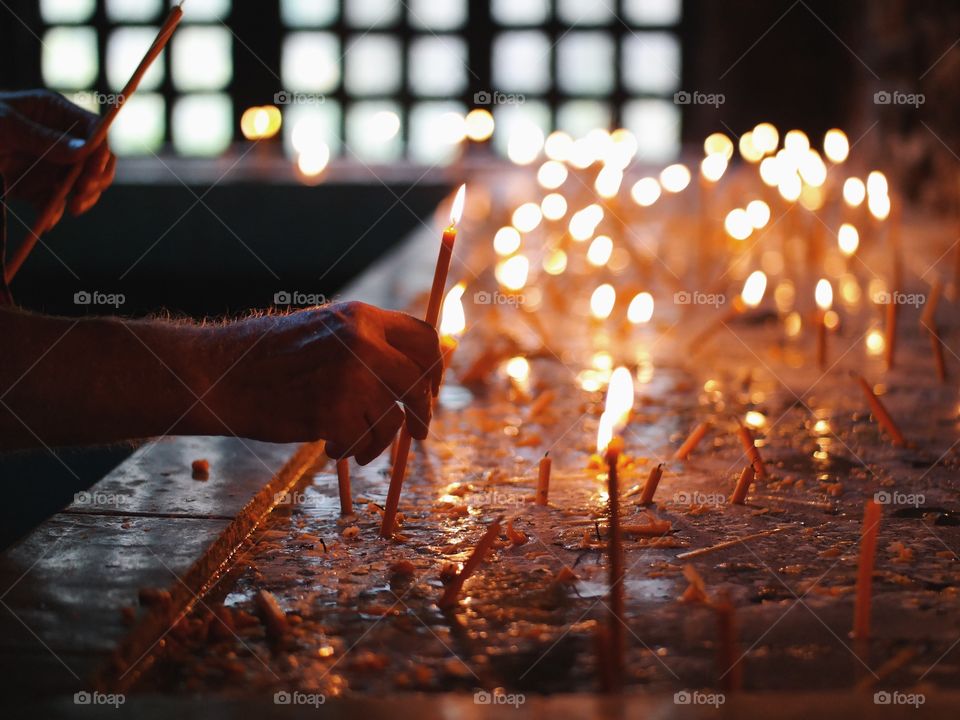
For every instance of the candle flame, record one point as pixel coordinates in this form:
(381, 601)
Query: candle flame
(674, 178)
(640, 309)
(753, 288)
(452, 320)
(766, 137)
(608, 181)
(260, 123)
(604, 433)
(718, 144)
(518, 368)
(879, 205)
(602, 301)
(456, 210)
(854, 191)
(836, 146)
(877, 183)
(512, 273)
(645, 192)
(713, 166)
(617, 408)
(600, 250)
(759, 213)
(507, 241)
(848, 239)
(823, 294)
(737, 224)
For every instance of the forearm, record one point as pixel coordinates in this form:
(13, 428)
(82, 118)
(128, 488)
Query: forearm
(83, 381)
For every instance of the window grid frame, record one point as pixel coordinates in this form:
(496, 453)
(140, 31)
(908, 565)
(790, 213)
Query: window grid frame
(478, 33)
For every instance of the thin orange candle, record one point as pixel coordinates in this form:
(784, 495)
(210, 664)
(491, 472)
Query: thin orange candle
(452, 592)
(399, 469)
(824, 299)
(928, 319)
(343, 481)
(690, 444)
(618, 407)
(868, 548)
(743, 485)
(543, 479)
(890, 331)
(650, 487)
(750, 448)
(880, 413)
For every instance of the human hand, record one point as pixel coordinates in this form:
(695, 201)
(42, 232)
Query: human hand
(336, 372)
(42, 135)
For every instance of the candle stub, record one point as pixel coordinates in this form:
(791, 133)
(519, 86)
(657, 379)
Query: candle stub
(543, 480)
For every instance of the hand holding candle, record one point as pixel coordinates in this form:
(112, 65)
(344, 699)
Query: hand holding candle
(432, 316)
(99, 135)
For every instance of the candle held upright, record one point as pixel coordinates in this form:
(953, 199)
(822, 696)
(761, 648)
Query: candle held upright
(432, 316)
(618, 407)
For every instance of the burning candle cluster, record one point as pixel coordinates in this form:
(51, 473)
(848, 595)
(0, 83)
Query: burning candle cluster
(597, 242)
(676, 402)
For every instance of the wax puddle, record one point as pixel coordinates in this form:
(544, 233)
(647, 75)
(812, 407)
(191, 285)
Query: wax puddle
(640, 588)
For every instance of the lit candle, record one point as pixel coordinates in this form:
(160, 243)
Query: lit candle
(750, 448)
(543, 480)
(602, 301)
(868, 548)
(432, 316)
(343, 481)
(823, 294)
(618, 406)
(97, 136)
(452, 322)
(640, 309)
